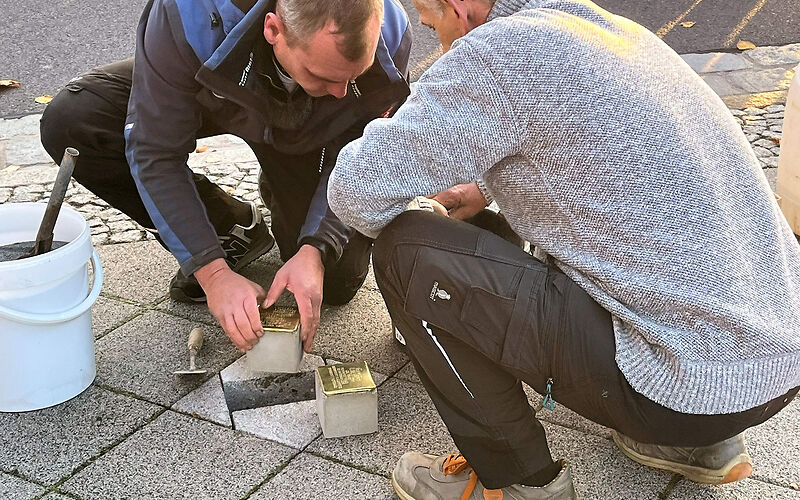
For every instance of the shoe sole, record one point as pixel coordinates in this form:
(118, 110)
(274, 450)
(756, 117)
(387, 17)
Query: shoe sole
(401, 493)
(177, 293)
(736, 469)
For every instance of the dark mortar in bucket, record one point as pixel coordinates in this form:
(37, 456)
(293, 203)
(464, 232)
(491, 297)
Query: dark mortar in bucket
(14, 251)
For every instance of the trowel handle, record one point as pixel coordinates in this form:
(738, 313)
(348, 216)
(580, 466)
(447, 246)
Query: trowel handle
(196, 339)
(44, 238)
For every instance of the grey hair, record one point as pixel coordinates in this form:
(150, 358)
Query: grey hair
(303, 18)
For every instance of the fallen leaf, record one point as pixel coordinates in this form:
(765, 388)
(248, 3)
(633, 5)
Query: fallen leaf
(9, 83)
(745, 45)
(201, 149)
(688, 24)
(795, 486)
(44, 99)
(776, 140)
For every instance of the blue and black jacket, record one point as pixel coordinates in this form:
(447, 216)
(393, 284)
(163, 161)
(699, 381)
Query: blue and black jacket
(192, 59)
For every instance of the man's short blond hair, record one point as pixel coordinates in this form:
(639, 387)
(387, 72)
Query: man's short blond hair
(303, 18)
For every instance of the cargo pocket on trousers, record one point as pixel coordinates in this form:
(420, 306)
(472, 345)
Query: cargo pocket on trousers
(446, 290)
(486, 316)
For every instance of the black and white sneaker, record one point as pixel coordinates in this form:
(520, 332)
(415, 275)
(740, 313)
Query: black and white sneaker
(242, 245)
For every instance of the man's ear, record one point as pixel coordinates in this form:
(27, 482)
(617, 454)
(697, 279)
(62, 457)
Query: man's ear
(273, 28)
(461, 9)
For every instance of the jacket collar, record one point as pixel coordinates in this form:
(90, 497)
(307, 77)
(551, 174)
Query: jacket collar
(503, 8)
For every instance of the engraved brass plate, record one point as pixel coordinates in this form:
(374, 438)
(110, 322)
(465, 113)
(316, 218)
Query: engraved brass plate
(280, 319)
(345, 378)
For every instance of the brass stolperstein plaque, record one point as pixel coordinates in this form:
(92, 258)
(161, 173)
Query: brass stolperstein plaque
(280, 319)
(345, 378)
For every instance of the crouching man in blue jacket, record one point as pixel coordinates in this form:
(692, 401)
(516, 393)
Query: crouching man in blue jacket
(296, 79)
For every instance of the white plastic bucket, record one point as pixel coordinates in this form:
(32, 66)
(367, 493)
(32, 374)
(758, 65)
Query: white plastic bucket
(788, 185)
(46, 341)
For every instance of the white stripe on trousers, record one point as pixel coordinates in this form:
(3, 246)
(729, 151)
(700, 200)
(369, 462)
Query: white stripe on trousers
(446, 357)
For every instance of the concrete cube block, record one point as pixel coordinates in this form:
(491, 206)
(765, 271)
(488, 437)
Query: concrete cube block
(279, 350)
(347, 400)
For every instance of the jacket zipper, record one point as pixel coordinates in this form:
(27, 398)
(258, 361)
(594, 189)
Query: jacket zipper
(356, 91)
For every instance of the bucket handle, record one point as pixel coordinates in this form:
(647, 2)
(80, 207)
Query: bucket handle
(61, 317)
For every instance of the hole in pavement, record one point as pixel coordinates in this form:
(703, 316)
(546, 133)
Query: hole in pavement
(275, 389)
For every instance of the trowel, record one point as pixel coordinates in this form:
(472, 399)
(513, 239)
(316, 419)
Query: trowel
(194, 344)
(44, 237)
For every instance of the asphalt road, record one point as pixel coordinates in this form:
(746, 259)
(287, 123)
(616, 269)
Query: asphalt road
(45, 43)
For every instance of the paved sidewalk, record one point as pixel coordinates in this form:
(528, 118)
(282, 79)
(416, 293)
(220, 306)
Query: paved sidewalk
(141, 432)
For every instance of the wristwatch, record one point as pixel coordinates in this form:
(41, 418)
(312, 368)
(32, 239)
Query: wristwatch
(486, 194)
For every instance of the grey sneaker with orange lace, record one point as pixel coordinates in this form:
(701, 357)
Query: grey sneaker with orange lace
(419, 476)
(723, 462)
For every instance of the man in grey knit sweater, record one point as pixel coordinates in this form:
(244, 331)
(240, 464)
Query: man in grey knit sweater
(667, 306)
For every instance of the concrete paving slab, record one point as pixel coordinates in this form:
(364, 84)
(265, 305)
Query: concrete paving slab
(177, 456)
(747, 489)
(309, 477)
(195, 312)
(293, 424)
(360, 331)
(600, 470)
(137, 271)
(408, 373)
(14, 488)
(565, 417)
(207, 401)
(407, 421)
(49, 444)
(716, 62)
(141, 356)
(56, 496)
(775, 55)
(108, 314)
(775, 447)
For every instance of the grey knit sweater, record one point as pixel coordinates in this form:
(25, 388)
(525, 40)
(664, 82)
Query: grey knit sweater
(604, 149)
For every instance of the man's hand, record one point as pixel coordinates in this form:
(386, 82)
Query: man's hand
(462, 201)
(302, 275)
(233, 300)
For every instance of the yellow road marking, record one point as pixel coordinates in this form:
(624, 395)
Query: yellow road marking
(668, 27)
(734, 35)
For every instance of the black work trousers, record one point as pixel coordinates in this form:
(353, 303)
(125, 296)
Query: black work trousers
(89, 114)
(479, 315)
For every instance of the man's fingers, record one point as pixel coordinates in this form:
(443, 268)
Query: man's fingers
(275, 290)
(253, 317)
(229, 325)
(243, 324)
(308, 321)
